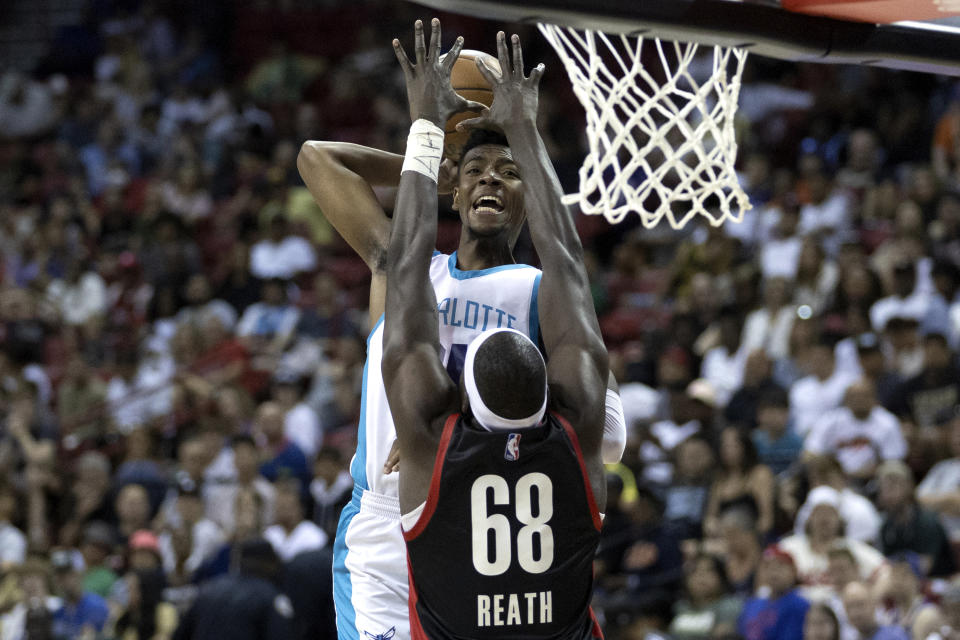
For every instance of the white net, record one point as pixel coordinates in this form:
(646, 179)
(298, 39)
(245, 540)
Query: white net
(660, 124)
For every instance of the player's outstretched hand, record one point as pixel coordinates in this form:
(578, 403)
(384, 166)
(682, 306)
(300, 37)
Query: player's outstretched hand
(515, 96)
(429, 92)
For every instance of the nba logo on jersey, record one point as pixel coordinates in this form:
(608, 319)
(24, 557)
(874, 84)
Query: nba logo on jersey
(512, 451)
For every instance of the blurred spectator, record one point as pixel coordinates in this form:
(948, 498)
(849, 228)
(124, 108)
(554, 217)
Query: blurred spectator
(723, 365)
(246, 605)
(740, 476)
(133, 510)
(200, 305)
(308, 581)
(26, 106)
(301, 424)
(861, 608)
(708, 611)
(905, 299)
(860, 434)
(293, 534)
(768, 327)
(281, 254)
(80, 297)
(280, 458)
(873, 364)
(30, 613)
(742, 545)
(332, 487)
(184, 546)
(144, 549)
(940, 489)
(170, 256)
(821, 623)
(820, 531)
(901, 591)
(642, 565)
(934, 392)
(187, 197)
(757, 381)
(248, 523)
(827, 213)
(860, 517)
(89, 497)
(83, 613)
(816, 279)
(687, 495)
(778, 445)
(815, 395)
(780, 254)
(146, 616)
(96, 547)
(13, 544)
(267, 325)
(909, 526)
(283, 76)
(80, 400)
(780, 613)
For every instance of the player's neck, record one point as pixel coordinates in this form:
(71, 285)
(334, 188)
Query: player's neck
(480, 253)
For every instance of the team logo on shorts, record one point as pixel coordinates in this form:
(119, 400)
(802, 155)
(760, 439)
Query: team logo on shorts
(512, 451)
(382, 636)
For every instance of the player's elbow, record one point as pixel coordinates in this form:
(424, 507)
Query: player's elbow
(314, 156)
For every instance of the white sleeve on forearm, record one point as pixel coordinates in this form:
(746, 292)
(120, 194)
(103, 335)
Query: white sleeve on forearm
(614, 429)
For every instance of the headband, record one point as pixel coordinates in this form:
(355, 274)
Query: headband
(481, 412)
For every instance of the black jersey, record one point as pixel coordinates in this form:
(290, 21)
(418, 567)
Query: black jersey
(504, 546)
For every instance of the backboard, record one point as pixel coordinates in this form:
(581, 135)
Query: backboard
(828, 31)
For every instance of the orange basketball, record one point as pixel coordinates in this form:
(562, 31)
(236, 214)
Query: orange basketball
(467, 80)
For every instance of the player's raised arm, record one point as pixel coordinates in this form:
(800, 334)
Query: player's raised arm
(578, 361)
(341, 177)
(418, 387)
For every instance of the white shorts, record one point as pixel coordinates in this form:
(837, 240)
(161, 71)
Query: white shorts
(370, 584)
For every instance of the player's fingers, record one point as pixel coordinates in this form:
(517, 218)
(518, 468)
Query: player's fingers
(472, 123)
(435, 39)
(452, 55)
(517, 57)
(492, 78)
(502, 54)
(419, 47)
(401, 57)
(536, 74)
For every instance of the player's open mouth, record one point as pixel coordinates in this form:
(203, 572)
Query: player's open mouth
(488, 205)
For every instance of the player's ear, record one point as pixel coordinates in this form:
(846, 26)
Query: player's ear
(456, 198)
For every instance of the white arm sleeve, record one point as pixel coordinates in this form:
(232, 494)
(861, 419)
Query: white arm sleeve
(614, 429)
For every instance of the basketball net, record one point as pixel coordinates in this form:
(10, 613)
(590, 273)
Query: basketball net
(661, 141)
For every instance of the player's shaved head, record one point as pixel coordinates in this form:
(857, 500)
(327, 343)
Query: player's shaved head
(510, 375)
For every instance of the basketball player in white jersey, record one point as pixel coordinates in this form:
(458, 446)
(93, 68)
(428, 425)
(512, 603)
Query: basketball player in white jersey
(478, 287)
(502, 481)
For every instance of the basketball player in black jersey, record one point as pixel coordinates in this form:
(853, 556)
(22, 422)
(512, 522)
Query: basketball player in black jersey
(502, 476)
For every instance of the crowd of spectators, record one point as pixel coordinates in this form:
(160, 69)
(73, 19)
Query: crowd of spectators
(183, 338)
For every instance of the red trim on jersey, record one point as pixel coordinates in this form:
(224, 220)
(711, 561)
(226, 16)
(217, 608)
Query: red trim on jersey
(597, 631)
(434, 494)
(597, 522)
(416, 629)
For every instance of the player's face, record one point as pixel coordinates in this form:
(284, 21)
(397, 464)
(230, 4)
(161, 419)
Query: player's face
(489, 193)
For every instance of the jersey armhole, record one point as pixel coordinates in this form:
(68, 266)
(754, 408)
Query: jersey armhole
(430, 505)
(587, 485)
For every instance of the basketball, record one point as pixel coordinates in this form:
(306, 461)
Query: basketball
(467, 80)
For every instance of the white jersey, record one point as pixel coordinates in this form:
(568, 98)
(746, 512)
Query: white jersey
(468, 303)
